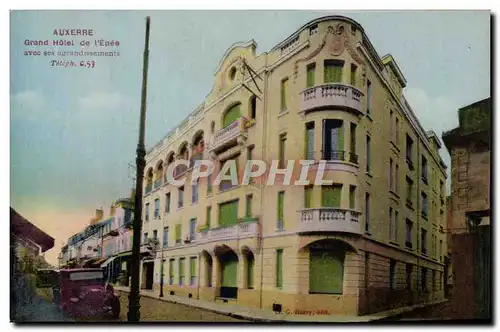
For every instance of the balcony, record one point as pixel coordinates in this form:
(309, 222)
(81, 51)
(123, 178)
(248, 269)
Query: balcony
(238, 231)
(332, 95)
(327, 219)
(228, 136)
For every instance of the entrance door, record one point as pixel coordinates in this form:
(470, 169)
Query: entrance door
(229, 287)
(149, 275)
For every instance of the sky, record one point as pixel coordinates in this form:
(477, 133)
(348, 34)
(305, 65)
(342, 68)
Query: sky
(74, 130)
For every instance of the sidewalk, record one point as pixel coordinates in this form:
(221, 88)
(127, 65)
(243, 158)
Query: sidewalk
(268, 316)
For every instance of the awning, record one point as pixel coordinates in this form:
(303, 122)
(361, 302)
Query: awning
(124, 254)
(109, 260)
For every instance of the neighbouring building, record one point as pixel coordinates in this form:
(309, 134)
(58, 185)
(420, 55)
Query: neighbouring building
(470, 148)
(372, 240)
(24, 237)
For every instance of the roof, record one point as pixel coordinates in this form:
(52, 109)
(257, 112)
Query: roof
(22, 228)
(389, 60)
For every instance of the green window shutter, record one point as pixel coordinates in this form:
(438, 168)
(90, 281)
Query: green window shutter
(352, 197)
(248, 211)
(228, 213)
(333, 73)
(178, 231)
(310, 76)
(353, 138)
(230, 272)
(308, 197)
(231, 115)
(282, 141)
(326, 272)
(171, 267)
(209, 216)
(284, 92)
(181, 266)
(331, 196)
(281, 200)
(353, 74)
(251, 263)
(279, 268)
(192, 266)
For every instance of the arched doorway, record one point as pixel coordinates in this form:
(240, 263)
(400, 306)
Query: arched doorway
(326, 266)
(228, 271)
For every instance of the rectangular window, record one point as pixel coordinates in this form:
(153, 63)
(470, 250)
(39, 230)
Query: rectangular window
(178, 233)
(165, 237)
(391, 125)
(155, 234)
(391, 225)
(423, 241)
(352, 197)
(353, 74)
(409, 191)
(408, 234)
(279, 268)
(228, 213)
(409, 151)
(333, 139)
(391, 181)
(434, 280)
(147, 212)
(423, 280)
(409, 270)
(353, 158)
(333, 71)
(249, 152)
(145, 240)
(396, 179)
(209, 217)
(424, 169)
(157, 208)
(284, 88)
(192, 229)
(331, 195)
(248, 208)
(280, 211)
(368, 97)
(311, 69)
(397, 131)
(396, 220)
(308, 191)
(368, 154)
(281, 163)
(309, 140)
(180, 203)
(424, 205)
(181, 270)
(367, 212)
(194, 193)
(441, 251)
(167, 202)
(192, 271)
(171, 271)
(392, 273)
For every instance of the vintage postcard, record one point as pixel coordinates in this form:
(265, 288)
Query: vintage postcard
(250, 166)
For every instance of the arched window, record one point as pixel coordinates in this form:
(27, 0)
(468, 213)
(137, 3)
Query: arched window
(253, 107)
(231, 115)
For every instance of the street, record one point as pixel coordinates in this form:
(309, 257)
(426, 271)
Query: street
(151, 310)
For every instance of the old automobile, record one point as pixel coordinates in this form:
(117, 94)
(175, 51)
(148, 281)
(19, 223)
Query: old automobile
(84, 292)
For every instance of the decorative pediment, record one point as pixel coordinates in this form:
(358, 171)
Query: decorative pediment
(337, 41)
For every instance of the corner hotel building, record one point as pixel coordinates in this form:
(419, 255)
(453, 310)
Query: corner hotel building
(371, 241)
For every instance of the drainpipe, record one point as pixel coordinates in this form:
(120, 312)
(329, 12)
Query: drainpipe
(417, 167)
(263, 151)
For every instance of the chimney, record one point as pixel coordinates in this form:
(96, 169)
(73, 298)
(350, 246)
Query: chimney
(99, 214)
(112, 211)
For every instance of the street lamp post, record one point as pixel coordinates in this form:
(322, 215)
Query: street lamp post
(134, 297)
